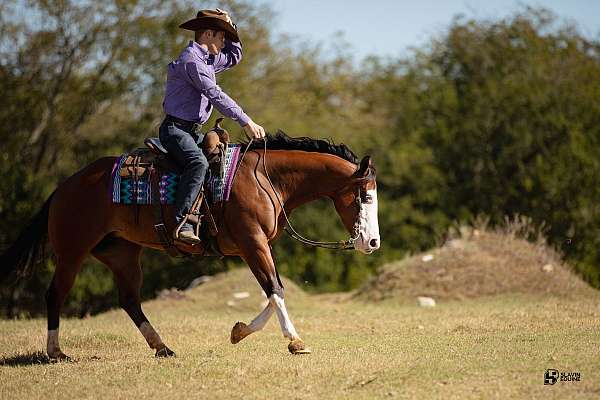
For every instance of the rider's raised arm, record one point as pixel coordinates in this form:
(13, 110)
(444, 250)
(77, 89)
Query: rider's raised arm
(200, 77)
(229, 56)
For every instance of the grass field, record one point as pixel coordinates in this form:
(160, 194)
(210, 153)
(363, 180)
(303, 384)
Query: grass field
(493, 347)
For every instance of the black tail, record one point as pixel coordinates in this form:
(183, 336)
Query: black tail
(29, 248)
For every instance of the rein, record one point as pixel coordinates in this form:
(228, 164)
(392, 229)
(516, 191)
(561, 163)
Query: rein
(289, 229)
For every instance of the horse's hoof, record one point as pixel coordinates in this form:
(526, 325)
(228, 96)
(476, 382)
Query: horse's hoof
(59, 357)
(165, 352)
(297, 346)
(239, 331)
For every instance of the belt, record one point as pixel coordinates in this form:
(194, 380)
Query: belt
(188, 126)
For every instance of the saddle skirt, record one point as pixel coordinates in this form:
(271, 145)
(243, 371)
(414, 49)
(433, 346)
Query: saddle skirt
(132, 183)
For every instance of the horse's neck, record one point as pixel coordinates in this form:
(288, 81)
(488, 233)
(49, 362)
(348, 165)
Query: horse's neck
(302, 177)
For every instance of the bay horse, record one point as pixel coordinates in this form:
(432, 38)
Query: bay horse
(80, 218)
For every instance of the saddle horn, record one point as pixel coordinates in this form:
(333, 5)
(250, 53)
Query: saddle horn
(223, 134)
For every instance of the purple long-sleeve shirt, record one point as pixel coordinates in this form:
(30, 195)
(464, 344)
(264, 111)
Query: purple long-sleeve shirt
(191, 88)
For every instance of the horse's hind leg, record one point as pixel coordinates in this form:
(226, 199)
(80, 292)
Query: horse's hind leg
(123, 259)
(62, 281)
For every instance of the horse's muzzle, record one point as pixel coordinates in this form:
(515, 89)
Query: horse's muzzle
(367, 246)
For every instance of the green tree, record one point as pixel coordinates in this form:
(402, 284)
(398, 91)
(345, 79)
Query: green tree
(508, 111)
(85, 79)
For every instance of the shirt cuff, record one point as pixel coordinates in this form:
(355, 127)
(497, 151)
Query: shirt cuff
(243, 119)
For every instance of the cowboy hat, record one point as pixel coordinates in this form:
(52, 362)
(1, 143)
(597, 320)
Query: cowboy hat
(217, 20)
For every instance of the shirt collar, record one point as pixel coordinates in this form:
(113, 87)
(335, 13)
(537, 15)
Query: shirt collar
(199, 50)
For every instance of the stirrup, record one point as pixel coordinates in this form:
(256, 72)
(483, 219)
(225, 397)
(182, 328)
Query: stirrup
(187, 237)
(193, 213)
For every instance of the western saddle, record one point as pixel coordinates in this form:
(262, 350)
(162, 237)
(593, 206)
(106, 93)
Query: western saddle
(148, 163)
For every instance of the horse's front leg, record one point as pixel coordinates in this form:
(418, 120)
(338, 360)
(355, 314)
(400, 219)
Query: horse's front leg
(257, 255)
(241, 330)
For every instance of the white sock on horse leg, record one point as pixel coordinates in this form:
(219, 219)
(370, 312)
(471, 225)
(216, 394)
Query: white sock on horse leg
(261, 320)
(52, 343)
(284, 320)
(151, 336)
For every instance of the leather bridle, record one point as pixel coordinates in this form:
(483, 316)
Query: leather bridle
(348, 244)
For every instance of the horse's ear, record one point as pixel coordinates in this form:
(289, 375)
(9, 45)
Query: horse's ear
(365, 167)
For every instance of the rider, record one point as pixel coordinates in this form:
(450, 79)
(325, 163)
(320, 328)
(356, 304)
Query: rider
(191, 91)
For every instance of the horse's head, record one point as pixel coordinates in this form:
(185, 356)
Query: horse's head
(356, 203)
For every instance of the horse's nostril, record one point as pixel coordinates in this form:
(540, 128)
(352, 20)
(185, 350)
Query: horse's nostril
(373, 243)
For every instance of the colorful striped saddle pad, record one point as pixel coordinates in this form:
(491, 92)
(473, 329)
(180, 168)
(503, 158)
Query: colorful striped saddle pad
(127, 190)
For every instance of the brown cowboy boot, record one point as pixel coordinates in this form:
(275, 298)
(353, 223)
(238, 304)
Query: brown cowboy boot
(188, 237)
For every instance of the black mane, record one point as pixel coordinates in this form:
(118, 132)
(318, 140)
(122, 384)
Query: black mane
(281, 141)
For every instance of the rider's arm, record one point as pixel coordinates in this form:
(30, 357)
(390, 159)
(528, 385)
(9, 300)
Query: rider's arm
(229, 56)
(201, 78)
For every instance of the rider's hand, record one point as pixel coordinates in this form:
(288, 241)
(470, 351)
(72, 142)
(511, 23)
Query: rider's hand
(226, 14)
(254, 131)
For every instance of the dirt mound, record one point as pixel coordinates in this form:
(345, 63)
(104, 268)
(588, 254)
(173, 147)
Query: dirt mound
(475, 264)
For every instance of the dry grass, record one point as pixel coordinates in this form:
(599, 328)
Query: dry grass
(494, 347)
(476, 263)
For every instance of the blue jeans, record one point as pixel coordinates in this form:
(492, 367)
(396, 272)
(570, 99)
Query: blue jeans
(184, 151)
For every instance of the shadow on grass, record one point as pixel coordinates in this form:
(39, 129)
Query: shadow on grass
(33, 358)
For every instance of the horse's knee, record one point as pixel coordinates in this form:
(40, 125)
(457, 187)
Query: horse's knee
(273, 287)
(131, 305)
(278, 290)
(59, 288)
(127, 302)
(124, 303)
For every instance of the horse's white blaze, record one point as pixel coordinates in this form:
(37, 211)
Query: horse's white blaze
(52, 344)
(151, 336)
(284, 320)
(261, 320)
(369, 240)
